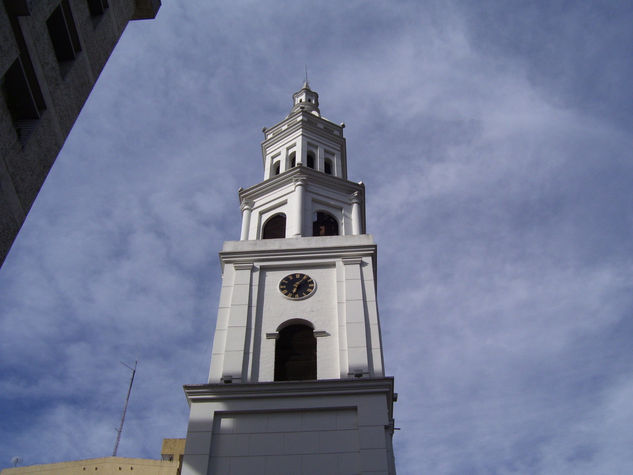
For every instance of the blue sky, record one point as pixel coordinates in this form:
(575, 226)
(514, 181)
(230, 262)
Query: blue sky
(495, 142)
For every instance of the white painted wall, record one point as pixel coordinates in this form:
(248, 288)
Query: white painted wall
(343, 305)
(293, 428)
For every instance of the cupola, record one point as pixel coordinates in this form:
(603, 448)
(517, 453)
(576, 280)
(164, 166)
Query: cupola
(307, 100)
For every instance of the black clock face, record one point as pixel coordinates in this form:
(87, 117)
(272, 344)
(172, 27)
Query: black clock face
(297, 286)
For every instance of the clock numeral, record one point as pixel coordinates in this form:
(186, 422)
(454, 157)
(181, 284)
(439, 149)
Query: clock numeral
(297, 275)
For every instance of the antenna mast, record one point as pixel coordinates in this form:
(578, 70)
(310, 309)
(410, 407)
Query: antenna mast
(127, 399)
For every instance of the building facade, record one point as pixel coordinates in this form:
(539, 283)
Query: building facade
(170, 464)
(51, 54)
(297, 382)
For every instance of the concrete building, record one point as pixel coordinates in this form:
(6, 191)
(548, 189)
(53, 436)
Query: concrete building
(297, 382)
(170, 464)
(51, 54)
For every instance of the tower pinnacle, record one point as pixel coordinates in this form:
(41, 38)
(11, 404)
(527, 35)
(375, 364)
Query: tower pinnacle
(305, 99)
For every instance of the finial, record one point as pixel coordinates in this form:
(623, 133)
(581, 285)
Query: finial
(306, 83)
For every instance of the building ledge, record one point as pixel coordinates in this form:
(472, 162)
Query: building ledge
(308, 243)
(281, 389)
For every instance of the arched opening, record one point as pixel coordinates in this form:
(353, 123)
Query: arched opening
(295, 354)
(292, 158)
(324, 225)
(327, 166)
(310, 160)
(275, 227)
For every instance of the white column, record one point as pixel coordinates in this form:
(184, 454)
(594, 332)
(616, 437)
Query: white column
(320, 159)
(246, 207)
(297, 218)
(268, 168)
(356, 224)
(237, 345)
(355, 324)
(301, 151)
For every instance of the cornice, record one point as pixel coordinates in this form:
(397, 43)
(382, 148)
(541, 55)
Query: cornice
(297, 120)
(252, 253)
(297, 173)
(279, 389)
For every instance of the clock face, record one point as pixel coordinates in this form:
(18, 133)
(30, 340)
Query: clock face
(297, 286)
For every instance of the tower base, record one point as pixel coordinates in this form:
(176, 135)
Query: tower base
(291, 427)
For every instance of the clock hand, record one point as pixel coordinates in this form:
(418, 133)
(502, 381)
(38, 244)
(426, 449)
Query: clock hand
(296, 284)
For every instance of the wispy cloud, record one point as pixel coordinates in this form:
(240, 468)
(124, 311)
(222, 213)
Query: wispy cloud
(495, 146)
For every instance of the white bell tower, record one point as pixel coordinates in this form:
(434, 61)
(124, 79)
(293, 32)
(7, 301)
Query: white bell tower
(297, 382)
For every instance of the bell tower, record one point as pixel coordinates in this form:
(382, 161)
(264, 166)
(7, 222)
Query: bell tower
(297, 382)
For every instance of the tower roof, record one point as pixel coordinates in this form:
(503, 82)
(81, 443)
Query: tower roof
(306, 99)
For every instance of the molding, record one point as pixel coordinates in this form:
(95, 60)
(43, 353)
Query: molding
(302, 120)
(351, 261)
(289, 177)
(354, 253)
(280, 389)
(320, 333)
(243, 265)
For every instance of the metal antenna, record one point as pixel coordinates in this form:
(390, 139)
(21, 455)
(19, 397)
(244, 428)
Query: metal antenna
(127, 399)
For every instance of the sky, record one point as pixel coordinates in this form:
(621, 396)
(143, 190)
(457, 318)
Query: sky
(495, 142)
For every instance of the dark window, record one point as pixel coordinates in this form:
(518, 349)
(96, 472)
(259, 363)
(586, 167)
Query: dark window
(19, 83)
(276, 169)
(97, 7)
(20, 100)
(324, 225)
(63, 32)
(295, 354)
(310, 160)
(328, 167)
(293, 160)
(275, 227)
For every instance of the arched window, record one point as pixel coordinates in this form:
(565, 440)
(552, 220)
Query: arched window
(310, 160)
(327, 166)
(295, 354)
(324, 225)
(275, 227)
(276, 168)
(293, 160)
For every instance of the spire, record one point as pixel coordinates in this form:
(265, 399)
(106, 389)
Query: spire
(305, 99)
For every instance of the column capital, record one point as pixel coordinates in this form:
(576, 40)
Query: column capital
(350, 261)
(243, 265)
(299, 181)
(246, 205)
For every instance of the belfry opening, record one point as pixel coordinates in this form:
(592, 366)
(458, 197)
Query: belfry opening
(295, 354)
(324, 225)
